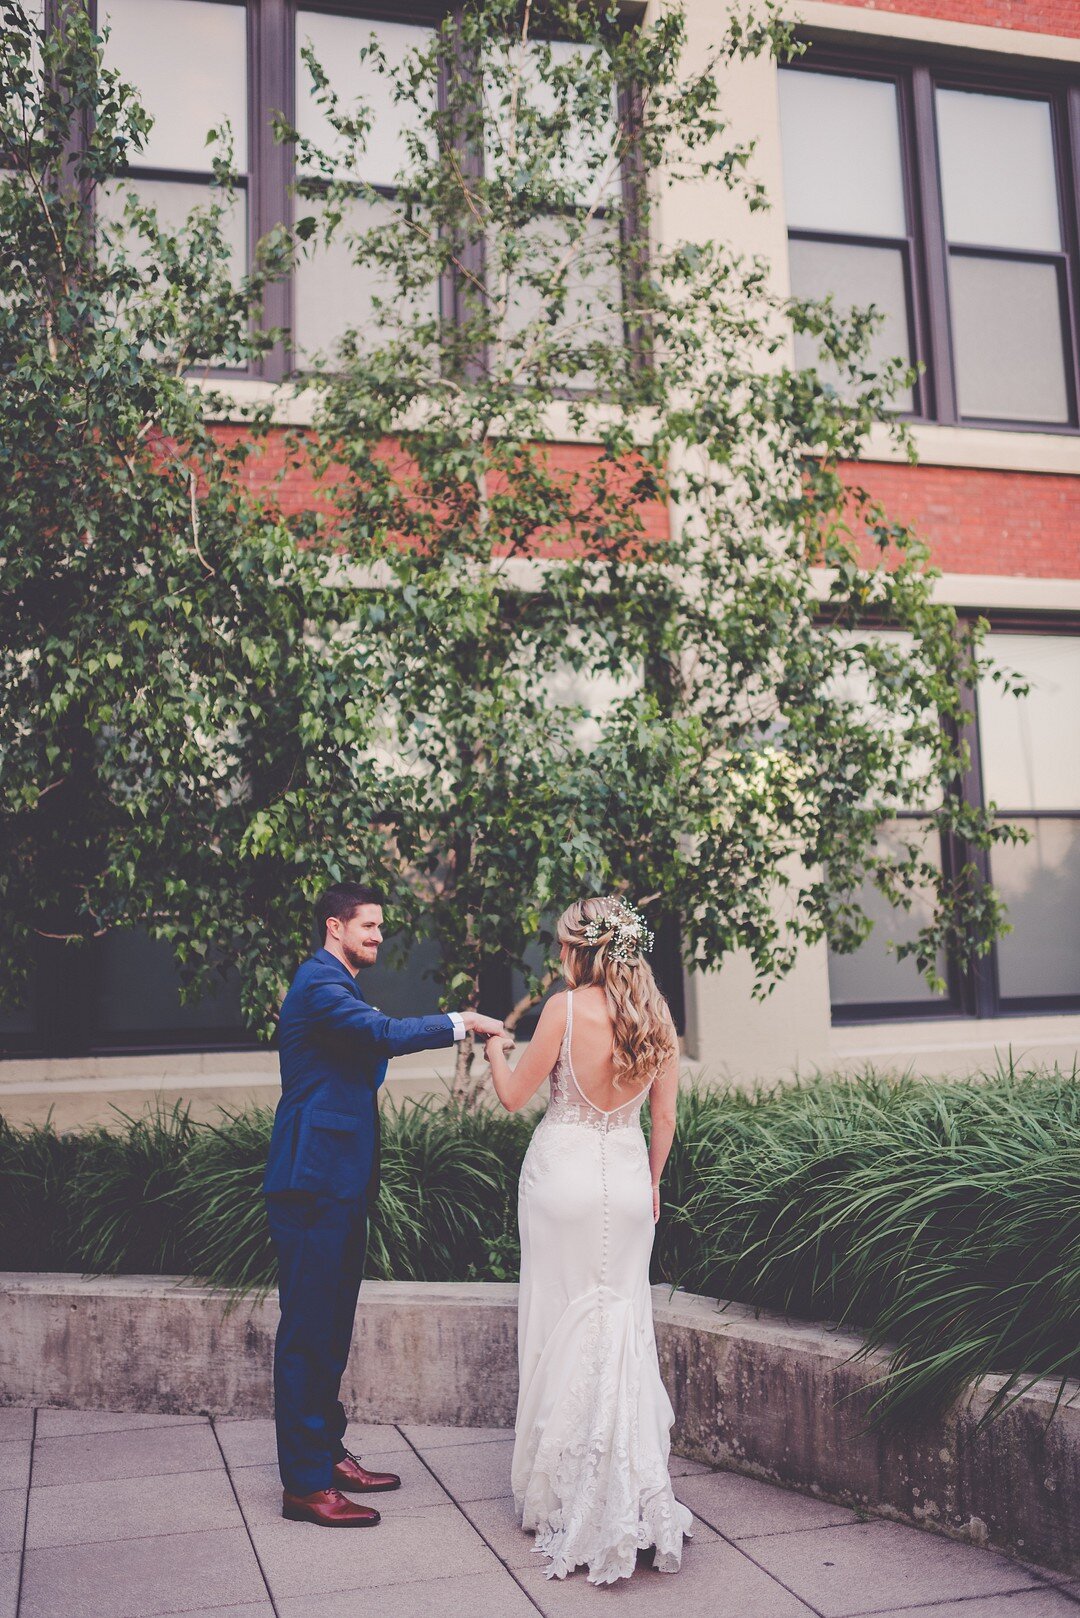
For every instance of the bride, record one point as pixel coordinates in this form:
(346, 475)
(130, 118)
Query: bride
(590, 1465)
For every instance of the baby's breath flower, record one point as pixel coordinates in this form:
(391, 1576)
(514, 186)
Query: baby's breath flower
(622, 928)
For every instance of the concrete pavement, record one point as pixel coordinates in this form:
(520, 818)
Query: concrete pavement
(130, 1516)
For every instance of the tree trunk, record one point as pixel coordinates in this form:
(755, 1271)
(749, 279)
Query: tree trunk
(466, 1088)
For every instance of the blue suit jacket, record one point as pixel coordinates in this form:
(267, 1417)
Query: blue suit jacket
(334, 1048)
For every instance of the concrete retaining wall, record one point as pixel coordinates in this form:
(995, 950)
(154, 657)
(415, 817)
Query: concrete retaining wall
(757, 1394)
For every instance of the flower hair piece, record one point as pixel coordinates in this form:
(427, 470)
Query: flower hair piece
(626, 929)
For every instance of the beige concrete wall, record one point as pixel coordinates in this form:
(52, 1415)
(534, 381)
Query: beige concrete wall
(778, 1399)
(732, 1036)
(79, 1093)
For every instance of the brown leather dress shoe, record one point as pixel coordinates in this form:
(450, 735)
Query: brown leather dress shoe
(329, 1508)
(349, 1474)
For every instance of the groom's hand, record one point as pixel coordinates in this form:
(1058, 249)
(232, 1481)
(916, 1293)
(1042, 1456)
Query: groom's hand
(476, 1023)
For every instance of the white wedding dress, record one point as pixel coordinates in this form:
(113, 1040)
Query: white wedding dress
(592, 1439)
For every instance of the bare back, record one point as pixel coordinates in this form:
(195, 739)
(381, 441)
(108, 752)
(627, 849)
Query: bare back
(591, 1050)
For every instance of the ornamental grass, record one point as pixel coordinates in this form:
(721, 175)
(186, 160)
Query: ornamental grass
(939, 1219)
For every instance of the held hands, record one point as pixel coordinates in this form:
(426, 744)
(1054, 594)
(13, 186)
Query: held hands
(499, 1042)
(485, 1027)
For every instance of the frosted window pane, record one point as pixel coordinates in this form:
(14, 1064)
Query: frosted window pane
(332, 293)
(592, 312)
(1010, 353)
(174, 200)
(336, 42)
(1031, 745)
(856, 277)
(35, 15)
(872, 973)
(842, 167)
(1040, 884)
(998, 180)
(596, 691)
(589, 164)
(857, 685)
(188, 60)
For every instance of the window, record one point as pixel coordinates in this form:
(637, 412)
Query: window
(330, 292)
(862, 980)
(198, 63)
(115, 994)
(189, 61)
(945, 196)
(1026, 763)
(1031, 772)
(1006, 266)
(847, 209)
(871, 979)
(576, 244)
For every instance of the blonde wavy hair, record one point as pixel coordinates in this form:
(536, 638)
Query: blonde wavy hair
(596, 953)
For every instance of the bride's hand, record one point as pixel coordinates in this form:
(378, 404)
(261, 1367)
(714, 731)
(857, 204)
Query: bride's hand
(505, 1042)
(655, 1203)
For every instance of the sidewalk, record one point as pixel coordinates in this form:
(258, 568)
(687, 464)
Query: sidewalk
(128, 1516)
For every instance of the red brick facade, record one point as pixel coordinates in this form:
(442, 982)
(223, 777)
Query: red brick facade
(1060, 17)
(295, 488)
(1021, 523)
(1018, 523)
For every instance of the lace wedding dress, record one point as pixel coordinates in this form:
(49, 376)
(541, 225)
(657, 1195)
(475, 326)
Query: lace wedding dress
(592, 1440)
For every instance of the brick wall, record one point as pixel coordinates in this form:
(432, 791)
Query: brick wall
(296, 489)
(1036, 16)
(1011, 523)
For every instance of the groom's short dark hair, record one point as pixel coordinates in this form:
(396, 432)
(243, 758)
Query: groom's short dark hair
(343, 900)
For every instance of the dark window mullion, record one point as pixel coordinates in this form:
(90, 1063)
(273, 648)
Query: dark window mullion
(980, 977)
(270, 46)
(1035, 814)
(805, 233)
(138, 171)
(634, 224)
(1066, 119)
(1021, 255)
(914, 262)
(1070, 136)
(930, 228)
(454, 292)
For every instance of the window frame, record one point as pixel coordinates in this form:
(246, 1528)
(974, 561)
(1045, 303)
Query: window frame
(910, 244)
(974, 991)
(918, 71)
(246, 182)
(288, 361)
(271, 88)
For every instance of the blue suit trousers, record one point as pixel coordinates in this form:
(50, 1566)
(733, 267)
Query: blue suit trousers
(320, 1242)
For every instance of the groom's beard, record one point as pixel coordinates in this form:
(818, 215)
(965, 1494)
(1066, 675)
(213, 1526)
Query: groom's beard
(358, 959)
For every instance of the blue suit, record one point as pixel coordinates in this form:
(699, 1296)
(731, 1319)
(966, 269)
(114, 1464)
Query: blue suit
(321, 1175)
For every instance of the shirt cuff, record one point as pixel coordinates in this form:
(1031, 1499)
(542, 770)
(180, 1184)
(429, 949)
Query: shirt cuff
(459, 1024)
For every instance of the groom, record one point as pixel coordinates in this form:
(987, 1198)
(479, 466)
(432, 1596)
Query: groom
(321, 1179)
